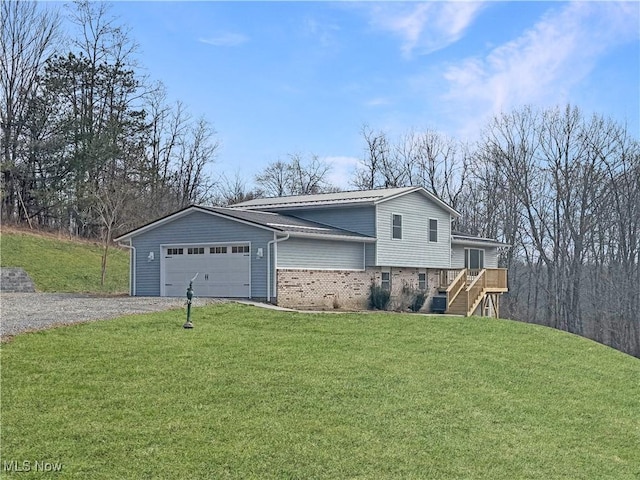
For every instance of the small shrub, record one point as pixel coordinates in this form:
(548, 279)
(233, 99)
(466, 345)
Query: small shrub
(378, 297)
(418, 301)
(413, 298)
(336, 301)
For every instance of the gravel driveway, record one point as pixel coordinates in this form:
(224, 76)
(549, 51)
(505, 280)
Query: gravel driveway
(22, 312)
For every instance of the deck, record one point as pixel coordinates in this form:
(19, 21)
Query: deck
(472, 292)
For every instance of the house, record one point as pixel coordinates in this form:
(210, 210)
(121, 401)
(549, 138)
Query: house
(318, 251)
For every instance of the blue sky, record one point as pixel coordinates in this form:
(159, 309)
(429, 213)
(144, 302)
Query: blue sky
(303, 77)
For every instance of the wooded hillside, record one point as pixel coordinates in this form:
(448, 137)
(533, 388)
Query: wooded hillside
(93, 147)
(560, 187)
(89, 144)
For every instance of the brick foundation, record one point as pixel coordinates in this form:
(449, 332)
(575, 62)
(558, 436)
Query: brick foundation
(401, 276)
(323, 289)
(349, 290)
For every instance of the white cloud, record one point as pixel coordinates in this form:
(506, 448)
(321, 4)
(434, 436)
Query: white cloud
(226, 39)
(544, 63)
(324, 32)
(425, 27)
(342, 169)
(378, 102)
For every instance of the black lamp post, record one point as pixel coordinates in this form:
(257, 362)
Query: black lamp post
(188, 323)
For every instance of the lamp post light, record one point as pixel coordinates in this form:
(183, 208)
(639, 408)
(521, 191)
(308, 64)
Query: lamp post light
(188, 323)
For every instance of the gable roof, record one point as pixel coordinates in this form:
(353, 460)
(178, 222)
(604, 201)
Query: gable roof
(278, 223)
(338, 199)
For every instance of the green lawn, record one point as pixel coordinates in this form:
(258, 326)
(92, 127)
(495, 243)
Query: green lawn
(254, 393)
(59, 265)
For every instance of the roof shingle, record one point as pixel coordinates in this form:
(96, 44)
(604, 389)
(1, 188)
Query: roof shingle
(286, 223)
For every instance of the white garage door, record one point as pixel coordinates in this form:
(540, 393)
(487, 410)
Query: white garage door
(223, 270)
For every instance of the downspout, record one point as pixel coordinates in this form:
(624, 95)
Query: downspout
(269, 267)
(273, 277)
(450, 240)
(132, 267)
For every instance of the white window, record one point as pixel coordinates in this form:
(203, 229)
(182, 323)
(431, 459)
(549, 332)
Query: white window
(396, 229)
(216, 250)
(474, 258)
(195, 251)
(175, 251)
(422, 281)
(385, 281)
(240, 249)
(433, 230)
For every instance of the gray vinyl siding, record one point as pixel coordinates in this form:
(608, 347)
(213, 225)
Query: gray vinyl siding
(198, 227)
(355, 219)
(304, 253)
(414, 249)
(457, 256)
(132, 272)
(370, 255)
(491, 257)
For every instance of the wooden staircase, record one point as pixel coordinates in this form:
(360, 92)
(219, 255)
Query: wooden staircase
(473, 290)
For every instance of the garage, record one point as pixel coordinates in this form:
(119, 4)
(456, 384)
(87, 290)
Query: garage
(235, 253)
(220, 270)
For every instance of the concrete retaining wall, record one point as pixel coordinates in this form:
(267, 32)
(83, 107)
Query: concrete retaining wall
(15, 280)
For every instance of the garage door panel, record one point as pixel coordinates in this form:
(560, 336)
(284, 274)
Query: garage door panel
(219, 275)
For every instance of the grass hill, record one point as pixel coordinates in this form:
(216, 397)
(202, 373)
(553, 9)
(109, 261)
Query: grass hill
(251, 393)
(255, 393)
(58, 264)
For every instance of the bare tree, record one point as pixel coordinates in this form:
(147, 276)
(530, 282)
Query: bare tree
(194, 183)
(614, 247)
(442, 166)
(428, 159)
(101, 38)
(111, 200)
(234, 190)
(29, 36)
(571, 185)
(377, 169)
(167, 125)
(308, 177)
(274, 179)
(295, 177)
